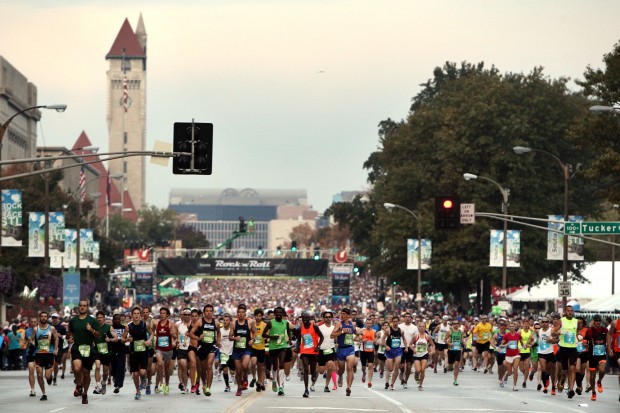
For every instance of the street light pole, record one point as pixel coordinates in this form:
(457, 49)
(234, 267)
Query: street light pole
(4, 127)
(389, 205)
(519, 150)
(505, 192)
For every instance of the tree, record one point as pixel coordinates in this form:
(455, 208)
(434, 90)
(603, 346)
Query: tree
(467, 119)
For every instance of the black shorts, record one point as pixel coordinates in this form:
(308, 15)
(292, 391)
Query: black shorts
(548, 357)
(138, 361)
(87, 362)
(182, 354)
(420, 358)
(583, 356)
(454, 356)
(104, 359)
(525, 356)
(44, 360)
(381, 356)
(567, 356)
(324, 358)
(407, 356)
(58, 357)
(367, 357)
(259, 354)
(594, 361)
(312, 358)
(151, 353)
(289, 355)
(482, 347)
(441, 347)
(204, 350)
(174, 353)
(500, 357)
(357, 354)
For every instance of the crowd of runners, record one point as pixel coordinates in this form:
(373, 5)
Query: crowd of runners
(253, 350)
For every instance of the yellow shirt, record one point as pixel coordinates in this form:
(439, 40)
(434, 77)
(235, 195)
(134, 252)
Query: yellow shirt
(484, 332)
(259, 341)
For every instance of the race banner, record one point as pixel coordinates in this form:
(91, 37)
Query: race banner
(144, 284)
(11, 218)
(242, 267)
(412, 254)
(341, 281)
(57, 234)
(555, 240)
(69, 259)
(496, 255)
(87, 253)
(36, 234)
(71, 289)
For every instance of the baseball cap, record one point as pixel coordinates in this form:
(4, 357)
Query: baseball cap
(54, 315)
(445, 317)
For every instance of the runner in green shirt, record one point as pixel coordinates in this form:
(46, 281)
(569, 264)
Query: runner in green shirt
(82, 334)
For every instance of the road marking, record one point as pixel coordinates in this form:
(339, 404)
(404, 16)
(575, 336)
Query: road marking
(487, 410)
(244, 403)
(57, 410)
(391, 400)
(348, 409)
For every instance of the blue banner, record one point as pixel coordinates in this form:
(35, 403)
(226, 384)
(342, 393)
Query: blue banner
(71, 289)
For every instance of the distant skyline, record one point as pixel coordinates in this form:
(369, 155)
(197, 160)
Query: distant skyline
(296, 88)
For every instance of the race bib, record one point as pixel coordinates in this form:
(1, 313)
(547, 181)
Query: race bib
(395, 343)
(280, 339)
(84, 350)
(139, 346)
(348, 339)
(44, 346)
(442, 336)
(381, 349)
(456, 345)
(420, 348)
(308, 342)
(224, 358)
(598, 350)
(258, 339)
(241, 343)
(513, 344)
(102, 348)
(208, 336)
(543, 345)
(486, 335)
(569, 337)
(328, 351)
(163, 341)
(369, 345)
(580, 347)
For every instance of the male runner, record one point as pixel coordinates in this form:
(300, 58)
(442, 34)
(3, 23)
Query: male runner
(82, 333)
(102, 352)
(46, 343)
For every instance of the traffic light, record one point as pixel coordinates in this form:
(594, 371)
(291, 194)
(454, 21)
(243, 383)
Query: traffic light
(447, 212)
(279, 251)
(293, 245)
(317, 253)
(260, 250)
(197, 140)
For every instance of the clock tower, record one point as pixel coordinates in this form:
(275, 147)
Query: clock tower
(126, 114)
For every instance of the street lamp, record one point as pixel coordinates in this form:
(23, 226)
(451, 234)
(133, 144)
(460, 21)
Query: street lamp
(5, 126)
(603, 109)
(505, 192)
(520, 150)
(389, 205)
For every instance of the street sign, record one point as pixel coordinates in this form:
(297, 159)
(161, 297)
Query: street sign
(468, 213)
(341, 256)
(592, 228)
(564, 289)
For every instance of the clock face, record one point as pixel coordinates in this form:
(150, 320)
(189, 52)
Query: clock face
(128, 101)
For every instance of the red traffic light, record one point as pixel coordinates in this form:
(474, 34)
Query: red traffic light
(447, 204)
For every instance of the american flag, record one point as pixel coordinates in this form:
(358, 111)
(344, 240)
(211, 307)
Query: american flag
(125, 94)
(82, 184)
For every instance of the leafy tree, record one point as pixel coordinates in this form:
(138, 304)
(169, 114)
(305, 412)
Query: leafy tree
(467, 119)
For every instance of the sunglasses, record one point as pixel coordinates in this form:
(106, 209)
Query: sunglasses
(328, 316)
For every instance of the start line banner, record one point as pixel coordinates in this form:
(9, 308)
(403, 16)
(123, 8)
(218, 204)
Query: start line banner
(247, 267)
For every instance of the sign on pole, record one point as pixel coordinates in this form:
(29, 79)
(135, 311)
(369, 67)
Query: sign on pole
(592, 228)
(564, 289)
(468, 213)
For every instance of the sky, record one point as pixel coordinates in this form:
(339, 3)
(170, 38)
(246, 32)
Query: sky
(295, 88)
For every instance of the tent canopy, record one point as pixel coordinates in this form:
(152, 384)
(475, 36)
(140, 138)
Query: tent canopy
(598, 274)
(607, 304)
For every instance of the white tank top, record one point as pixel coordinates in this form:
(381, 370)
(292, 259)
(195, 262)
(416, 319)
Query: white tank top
(443, 333)
(421, 345)
(227, 345)
(328, 342)
(183, 338)
(543, 346)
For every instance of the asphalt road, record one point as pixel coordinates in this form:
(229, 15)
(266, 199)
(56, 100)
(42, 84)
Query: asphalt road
(476, 392)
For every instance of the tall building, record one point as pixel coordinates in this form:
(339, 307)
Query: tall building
(17, 94)
(126, 116)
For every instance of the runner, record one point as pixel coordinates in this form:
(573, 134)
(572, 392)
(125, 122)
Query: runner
(368, 340)
(102, 352)
(26, 339)
(525, 351)
(327, 351)
(118, 354)
(165, 341)
(345, 331)
(597, 338)
(60, 359)
(242, 333)
(613, 344)
(510, 342)
(227, 364)
(455, 341)
(209, 337)
(82, 333)
(185, 371)
(567, 355)
(46, 343)
(258, 352)
(151, 362)
(310, 338)
(582, 354)
(420, 348)
(380, 347)
(194, 378)
(276, 330)
(483, 331)
(546, 358)
(393, 352)
(440, 332)
(138, 334)
(409, 331)
(500, 353)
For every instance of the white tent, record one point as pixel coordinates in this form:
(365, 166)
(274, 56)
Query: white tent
(607, 304)
(598, 274)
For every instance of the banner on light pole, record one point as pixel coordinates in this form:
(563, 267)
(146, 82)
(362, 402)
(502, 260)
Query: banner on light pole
(555, 240)
(412, 254)
(496, 255)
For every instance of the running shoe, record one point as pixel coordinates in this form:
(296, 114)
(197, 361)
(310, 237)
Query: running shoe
(392, 387)
(364, 378)
(116, 390)
(369, 384)
(306, 394)
(387, 385)
(49, 382)
(514, 388)
(312, 387)
(380, 375)
(531, 376)
(32, 393)
(288, 378)
(578, 390)
(207, 391)
(148, 389)
(560, 387)
(445, 370)
(553, 391)
(138, 396)
(281, 391)
(487, 370)
(335, 387)
(348, 391)
(103, 387)
(524, 385)
(599, 387)
(274, 386)
(339, 381)
(166, 390)
(239, 393)
(539, 387)
(97, 390)
(44, 398)
(253, 382)
(62, 376)
(546, 390)
(420, 388)
(326, 390)
(77, 392)
(84, 398)
(593, 398)
(501, 383)
(158, 388)
(571, 393)
(455, 383)
(227, 389)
